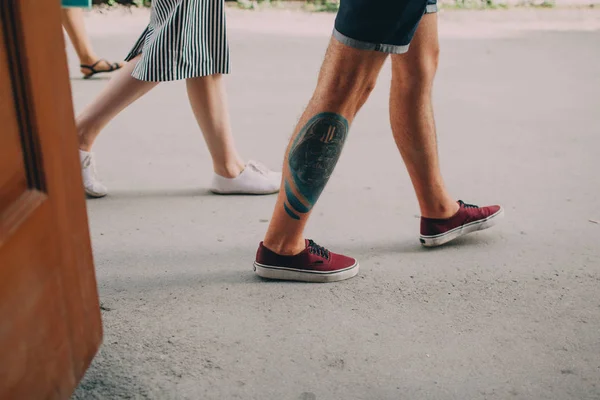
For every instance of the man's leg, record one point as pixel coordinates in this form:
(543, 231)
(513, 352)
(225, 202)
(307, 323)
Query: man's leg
(411, 114)
(346, 79)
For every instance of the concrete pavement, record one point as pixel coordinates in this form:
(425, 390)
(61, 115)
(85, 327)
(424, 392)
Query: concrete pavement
(509, 313)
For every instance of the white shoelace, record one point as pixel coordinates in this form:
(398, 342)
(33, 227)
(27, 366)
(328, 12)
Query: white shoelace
(258, 167)
(88, 163)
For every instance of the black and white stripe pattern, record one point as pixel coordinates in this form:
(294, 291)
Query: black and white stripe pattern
(184, 39)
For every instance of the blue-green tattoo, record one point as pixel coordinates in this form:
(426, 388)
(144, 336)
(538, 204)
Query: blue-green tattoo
(293, 200)
(312, 158)
(290, 212)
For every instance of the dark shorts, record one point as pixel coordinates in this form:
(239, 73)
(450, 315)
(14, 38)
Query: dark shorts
(381, 25)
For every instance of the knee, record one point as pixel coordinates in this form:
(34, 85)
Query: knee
(427, 64)
(365, 91)
(418, 73)
(431, 62)
(349, 92)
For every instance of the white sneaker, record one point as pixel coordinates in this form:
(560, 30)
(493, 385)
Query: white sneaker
(91, 184)
(254, 179)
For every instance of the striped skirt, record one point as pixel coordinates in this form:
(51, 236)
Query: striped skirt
(184, 39)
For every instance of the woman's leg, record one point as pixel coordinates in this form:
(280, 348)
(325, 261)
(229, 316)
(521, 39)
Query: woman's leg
(120, 92)
(209, 103)
(72, 19)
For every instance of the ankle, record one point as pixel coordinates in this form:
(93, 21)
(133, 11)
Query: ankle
(440, 210)
(85, 147)
(86, 134)
(88, 59)
(285, 248)
(85, 144)
(229, 170)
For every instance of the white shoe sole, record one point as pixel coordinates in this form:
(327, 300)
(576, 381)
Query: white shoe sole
(243, 192)
(438, 240)
(291, 274)
(94, 195)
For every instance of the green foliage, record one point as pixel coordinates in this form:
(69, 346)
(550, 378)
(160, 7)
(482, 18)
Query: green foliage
(120, 2)
(546, 4)
(473, 4)
(246, 4)
(322, 5)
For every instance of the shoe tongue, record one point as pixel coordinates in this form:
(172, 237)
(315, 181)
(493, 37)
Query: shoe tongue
(308, 243)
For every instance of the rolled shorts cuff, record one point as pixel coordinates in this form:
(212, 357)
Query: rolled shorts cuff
(431, 8)
(360, 45)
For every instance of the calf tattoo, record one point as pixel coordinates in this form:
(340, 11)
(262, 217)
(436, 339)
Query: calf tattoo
(311, 160)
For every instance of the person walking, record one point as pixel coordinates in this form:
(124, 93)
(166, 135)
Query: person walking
(366, 33)
(89, 62)
(184, 40)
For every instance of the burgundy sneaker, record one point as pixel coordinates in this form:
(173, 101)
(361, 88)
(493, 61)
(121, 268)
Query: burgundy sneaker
(469, 218)
(313, 264)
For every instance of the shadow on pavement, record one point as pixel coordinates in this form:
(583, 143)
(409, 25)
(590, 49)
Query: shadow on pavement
(96, 78)
(411, 246)
(165, 193)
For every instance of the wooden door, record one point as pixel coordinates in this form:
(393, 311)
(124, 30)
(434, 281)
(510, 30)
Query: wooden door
(50, 325)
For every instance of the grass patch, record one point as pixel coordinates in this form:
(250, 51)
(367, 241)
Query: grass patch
(322, 6)
(258, 4)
